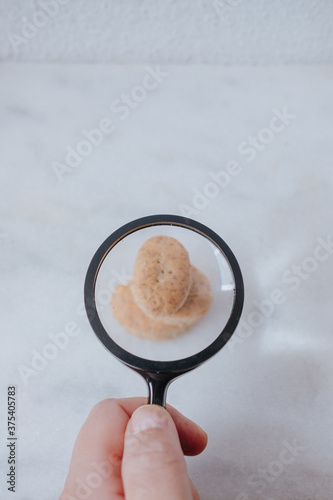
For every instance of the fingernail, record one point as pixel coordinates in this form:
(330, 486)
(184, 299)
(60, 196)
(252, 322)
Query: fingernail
(149, 417)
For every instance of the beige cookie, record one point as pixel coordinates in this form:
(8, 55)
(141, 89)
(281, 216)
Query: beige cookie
(136, 322)
(162, 276)
(198, 302)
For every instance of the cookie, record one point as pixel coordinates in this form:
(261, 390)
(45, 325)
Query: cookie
(162, 276)
(136, 322)
(198, 302)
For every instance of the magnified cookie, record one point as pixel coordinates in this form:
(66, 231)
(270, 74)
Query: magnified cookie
(136, 322)
(162, 276)
(198, 302)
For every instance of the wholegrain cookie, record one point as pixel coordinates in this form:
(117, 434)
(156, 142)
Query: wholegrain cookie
(198, 302)
(136, 322)
(162, 276)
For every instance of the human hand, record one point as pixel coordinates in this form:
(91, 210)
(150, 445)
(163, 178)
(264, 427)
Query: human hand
(128, 451)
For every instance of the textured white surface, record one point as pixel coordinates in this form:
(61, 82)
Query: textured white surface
(274, 386)
(172, 31)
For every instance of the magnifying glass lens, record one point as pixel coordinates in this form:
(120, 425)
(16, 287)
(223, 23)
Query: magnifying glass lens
(162, 302)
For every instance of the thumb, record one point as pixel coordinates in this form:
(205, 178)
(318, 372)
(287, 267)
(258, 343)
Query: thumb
(153, 462)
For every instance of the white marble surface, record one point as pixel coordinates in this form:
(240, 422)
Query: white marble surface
(275, 385)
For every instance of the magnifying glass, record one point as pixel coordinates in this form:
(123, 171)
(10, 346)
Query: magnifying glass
(164, 344)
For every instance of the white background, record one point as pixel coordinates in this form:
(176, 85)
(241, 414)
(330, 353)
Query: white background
(273, 387)
(171, 31)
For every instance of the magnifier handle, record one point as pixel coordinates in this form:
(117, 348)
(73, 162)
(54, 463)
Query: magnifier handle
(158, 384)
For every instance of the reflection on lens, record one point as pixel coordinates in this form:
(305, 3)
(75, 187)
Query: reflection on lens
(164, 292)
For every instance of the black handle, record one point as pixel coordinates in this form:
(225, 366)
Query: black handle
(157, 390)
(158, 384)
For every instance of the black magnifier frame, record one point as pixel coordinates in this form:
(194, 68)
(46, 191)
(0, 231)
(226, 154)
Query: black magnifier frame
(159, 374)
